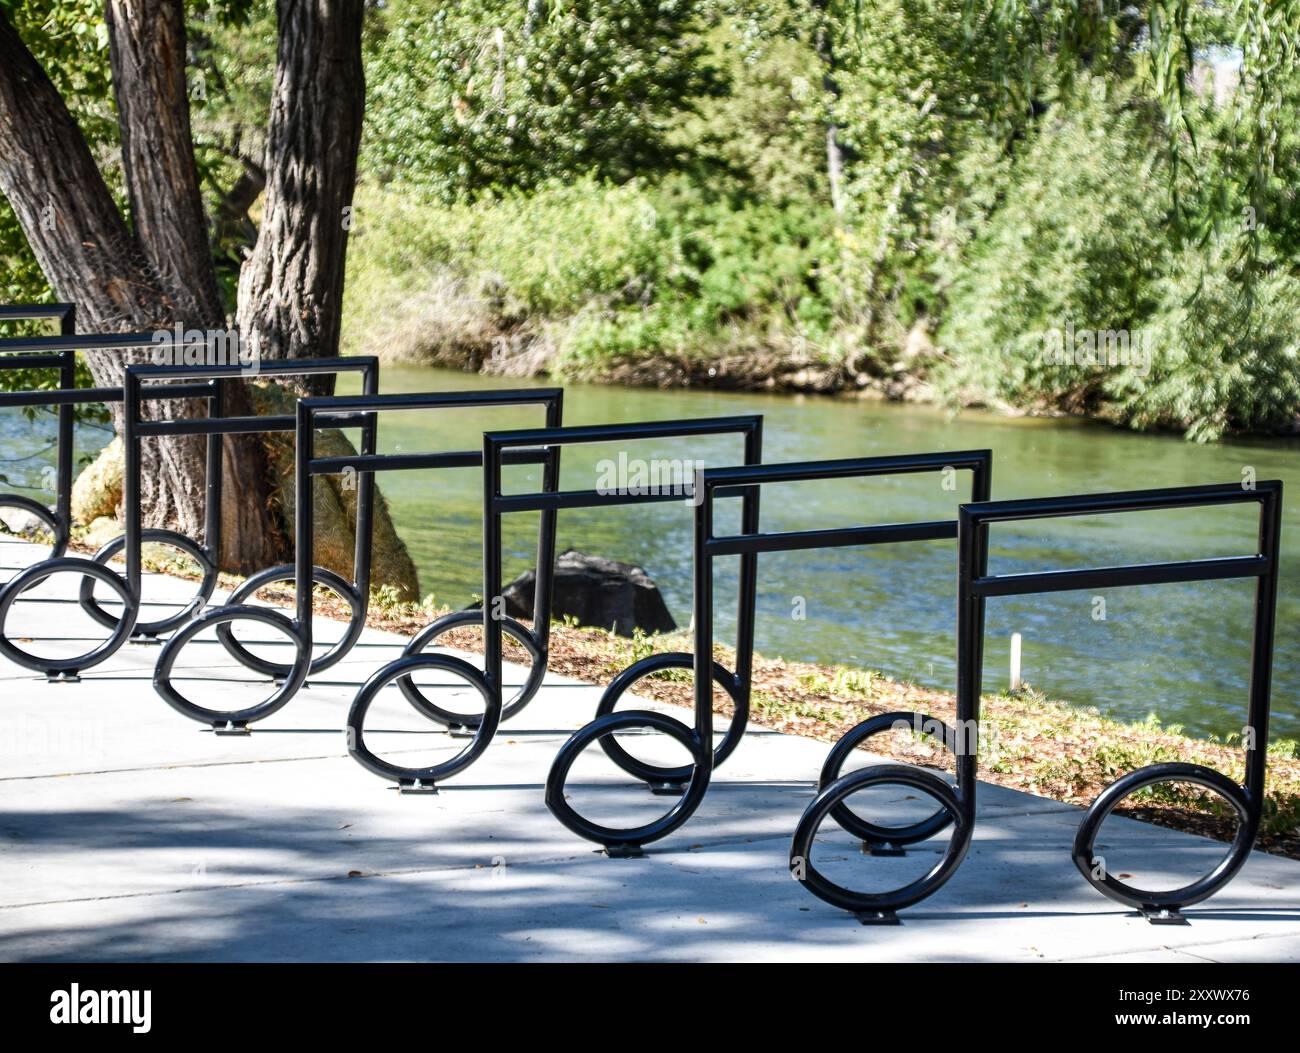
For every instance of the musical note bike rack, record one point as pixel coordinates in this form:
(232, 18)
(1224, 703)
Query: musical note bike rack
(311, 414)
(478, 729)
(748, 544)
(58, 519)
(188, 381)
(661, 780)
(236, 606)
(975, 586)
(60, 351)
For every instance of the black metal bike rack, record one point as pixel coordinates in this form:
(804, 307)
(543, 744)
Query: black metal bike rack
(60, 351)
(150, 382)
(748, 544)
(311, 414)
(59, 518)
(660, 780)
(236, 608)
(479, 729)
(975, 586)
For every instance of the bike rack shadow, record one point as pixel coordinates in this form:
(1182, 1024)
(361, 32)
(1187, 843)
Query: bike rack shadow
(975, 586)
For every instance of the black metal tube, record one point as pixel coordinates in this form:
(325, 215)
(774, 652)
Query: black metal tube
(543, 598)
(67, 379)
(397, 462)
(63, 313)
(1261, 650)
(834, 537)
(303, 528)
(1215, 569)
(747, 583)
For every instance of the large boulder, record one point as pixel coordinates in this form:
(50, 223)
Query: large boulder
(97, 491)
(601, 593)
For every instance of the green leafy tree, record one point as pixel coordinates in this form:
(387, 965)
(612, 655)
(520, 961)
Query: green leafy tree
(503, 94)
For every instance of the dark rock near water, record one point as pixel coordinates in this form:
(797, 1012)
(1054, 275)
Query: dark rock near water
(602, 593)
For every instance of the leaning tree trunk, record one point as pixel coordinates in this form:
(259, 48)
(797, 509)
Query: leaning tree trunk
(85, 249)
(90, 257)
(161, 272)
(291, 289)
(147, 51)
(147, 48)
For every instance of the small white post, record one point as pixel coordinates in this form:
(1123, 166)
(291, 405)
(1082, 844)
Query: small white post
(1015, 661)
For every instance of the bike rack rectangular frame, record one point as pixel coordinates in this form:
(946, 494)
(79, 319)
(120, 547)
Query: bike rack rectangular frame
(976, 585)
(496, 445)
(140, 379)
(59, 352)
(549, 501)
(314, 413)
(751, 542)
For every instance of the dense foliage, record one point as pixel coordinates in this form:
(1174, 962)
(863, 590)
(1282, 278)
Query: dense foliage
(1087, 208)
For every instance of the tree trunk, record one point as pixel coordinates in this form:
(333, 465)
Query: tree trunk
(291, 289)
(86, 251)
(147, 50)
(834, 152)
(72, 224)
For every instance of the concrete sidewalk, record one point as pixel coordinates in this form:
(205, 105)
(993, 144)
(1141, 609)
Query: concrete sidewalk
(130, 833)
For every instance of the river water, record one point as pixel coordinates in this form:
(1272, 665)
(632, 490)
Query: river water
(1178, 651)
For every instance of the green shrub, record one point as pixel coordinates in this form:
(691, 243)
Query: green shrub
(629, 270)
(1219, 363)
(1077, 241)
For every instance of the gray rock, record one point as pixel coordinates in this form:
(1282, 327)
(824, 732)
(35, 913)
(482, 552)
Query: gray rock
(21, 522)
(598, 592)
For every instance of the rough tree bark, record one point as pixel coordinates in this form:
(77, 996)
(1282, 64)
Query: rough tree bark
(147, 50)
(85, 248)
(54, 186)
(291, 289)
(147, 53)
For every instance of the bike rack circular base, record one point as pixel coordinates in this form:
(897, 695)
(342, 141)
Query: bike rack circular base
(229, 719)
(878, 907)
(660, 779)
(91, 606)
(287, 573)
(421, 779)
(457, 620)
(34, 508)
(65, 668)
(875, 836)
(1164, 905)
(625, 842)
